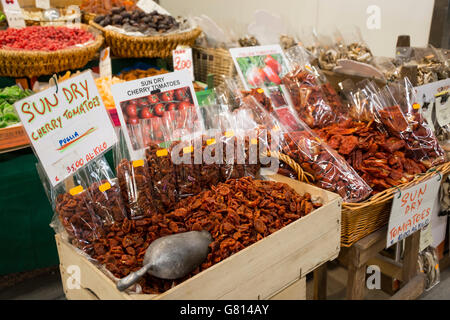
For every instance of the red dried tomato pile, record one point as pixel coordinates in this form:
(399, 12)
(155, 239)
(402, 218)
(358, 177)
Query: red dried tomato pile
(46, 38)
(382, 161)
(237, 213)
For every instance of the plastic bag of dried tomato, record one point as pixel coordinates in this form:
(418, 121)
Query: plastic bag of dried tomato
(397, 107)
(104, 191)
(186, 157)
(161, 170)
(132, 174)
(74, 216)
(314, 99)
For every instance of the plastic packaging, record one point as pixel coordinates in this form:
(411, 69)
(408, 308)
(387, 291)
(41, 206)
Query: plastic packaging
(160, 166)
(105, 193)
(315, 101)
(400, 113)
(328, 169)
(134, 182)
(353, 46)
(73, 207)
(431, 65)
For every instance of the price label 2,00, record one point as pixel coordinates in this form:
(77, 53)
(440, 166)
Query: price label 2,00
(182, 60)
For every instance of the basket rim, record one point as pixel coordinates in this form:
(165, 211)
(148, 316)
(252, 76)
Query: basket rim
(154, 38)
(97, 42)
(388, 194)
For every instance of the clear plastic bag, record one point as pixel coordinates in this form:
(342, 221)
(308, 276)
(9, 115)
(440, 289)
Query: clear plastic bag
(315, 101)
(431, 65)
(159, 162)
(74, 209)
(322, 164)
(134, 182)
(400, 113)
(353, 46)
(105, 193)
(329, 169)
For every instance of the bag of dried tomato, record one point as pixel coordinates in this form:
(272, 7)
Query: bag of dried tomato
(105, 192)
(74, 216)
(398, 108)
(313, 97)
(161, 170)
(132, 174)
(185, 152)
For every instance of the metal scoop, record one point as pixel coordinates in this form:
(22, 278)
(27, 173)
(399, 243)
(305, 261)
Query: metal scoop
(171, 257)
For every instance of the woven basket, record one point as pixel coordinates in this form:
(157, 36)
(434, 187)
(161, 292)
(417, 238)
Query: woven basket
(212, 61)
(363, 218)
(40, 22)
(146, 47)
(25, 63)
(87, 17)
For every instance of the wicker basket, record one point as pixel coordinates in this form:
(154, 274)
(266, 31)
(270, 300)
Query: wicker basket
(87, 17)
(25, 63)
(212, 61)
(146, 47)
(63, 20)
(363, 218)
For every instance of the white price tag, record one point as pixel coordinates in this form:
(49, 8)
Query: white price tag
(148, 6)
(105, 63)
(43, 4)
(13, 13)
(426, 238)
(412, 209)
(443, 108)
(182, 60)
(68, 125)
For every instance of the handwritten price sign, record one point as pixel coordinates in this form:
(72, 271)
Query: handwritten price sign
(13, 13)
(67, 127)
(182, 60)
(412, 209)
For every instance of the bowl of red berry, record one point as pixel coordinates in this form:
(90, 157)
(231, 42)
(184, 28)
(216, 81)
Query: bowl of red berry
(45, 50)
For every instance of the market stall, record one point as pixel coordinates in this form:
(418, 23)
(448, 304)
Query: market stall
(164, 141)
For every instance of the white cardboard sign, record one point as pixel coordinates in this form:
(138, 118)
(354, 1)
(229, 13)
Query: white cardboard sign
(412, 209)
(13, 13)
(260, 66)
(148, 6)
(105, 63)
(182, 60)
(163, 89)
(426, 96)
(68, 125)
(43, 4)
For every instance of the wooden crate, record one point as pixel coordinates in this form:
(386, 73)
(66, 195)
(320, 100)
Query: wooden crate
(274, 267)
(13, 137)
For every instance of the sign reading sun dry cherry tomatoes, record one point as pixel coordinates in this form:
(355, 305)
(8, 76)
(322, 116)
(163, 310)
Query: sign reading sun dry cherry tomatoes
(141, 101)
(68, 126)
(182, 60)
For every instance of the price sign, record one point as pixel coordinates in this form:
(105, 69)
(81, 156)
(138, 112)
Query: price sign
(148, 6)
(105, 63)
(182, 60)
(68, 126)
(13, 13)
(412, 209)
(43, 4)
